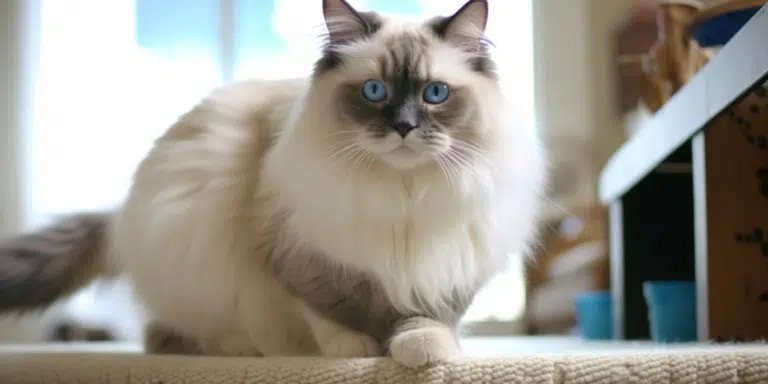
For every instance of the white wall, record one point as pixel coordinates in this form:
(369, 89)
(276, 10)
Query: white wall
(605, 16)
(17, 63)
(575, 85)
(10, 118)
(560, 64)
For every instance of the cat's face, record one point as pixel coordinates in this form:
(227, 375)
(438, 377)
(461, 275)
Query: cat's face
(406, 92)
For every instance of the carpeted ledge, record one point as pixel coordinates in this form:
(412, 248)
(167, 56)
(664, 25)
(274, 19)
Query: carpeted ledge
(727, 366)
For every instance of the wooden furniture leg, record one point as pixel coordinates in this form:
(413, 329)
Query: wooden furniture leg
(730, 162)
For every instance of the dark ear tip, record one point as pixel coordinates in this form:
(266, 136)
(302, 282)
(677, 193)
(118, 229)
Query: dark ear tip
(326, 5)
(331, 3)
(484, 4)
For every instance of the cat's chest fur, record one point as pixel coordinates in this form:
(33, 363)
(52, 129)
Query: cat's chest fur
(421, 239)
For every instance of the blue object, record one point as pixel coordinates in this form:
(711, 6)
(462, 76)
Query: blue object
(719, 30)
(671, 310)
(594, 315)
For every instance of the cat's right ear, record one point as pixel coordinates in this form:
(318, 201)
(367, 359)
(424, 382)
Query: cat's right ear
(466, 27)
(344, 23)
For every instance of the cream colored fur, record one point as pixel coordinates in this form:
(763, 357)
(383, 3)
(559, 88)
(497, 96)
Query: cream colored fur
(185, 234)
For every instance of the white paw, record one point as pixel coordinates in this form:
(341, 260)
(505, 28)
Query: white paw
(419, 347)
(349, 344)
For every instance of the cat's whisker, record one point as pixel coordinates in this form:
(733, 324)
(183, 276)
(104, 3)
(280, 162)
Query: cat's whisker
(338, 133)
(452, 173)
(466, 161)
(371, 158)
(555, 204)
(340, 147)
(345, 141)
(344, 153)
(349, 156)
(464, 155)
(440, 165)
(469, 147)
(359, 156)
(334, 154)
(354, 154)
(463, 163)
(341, 143)
(548, 188)
(455, 174)
(474, 151)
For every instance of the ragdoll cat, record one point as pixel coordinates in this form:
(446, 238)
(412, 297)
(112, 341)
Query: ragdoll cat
(355, 213)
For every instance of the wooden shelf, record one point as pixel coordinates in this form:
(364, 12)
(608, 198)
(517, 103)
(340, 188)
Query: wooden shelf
(737, 68)
(688, 198)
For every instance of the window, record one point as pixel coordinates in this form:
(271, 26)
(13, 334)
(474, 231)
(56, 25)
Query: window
(113, 75)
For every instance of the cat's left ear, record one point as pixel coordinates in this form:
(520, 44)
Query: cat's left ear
(344, 23)
(466, 27)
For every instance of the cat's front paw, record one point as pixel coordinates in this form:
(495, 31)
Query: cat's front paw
(422, 346)
(349, 344)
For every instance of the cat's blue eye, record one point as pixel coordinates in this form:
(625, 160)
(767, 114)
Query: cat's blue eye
(436, 93)
(375, 91)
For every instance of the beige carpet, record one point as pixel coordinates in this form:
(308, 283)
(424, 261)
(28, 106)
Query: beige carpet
(710, 365)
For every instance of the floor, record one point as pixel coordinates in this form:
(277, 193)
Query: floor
(559, 345)
(473, 347)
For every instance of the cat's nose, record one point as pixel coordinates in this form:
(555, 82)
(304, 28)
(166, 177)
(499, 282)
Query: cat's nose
(403, 127)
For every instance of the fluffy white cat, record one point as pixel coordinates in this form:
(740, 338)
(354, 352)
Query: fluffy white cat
(354, 213)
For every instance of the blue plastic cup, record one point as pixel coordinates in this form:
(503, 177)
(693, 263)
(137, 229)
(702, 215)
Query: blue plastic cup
(594, 315)
(671, 310)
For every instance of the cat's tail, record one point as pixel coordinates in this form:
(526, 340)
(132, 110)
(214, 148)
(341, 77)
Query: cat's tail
(40, 267)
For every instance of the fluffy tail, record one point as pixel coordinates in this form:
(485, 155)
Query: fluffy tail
(38, 268)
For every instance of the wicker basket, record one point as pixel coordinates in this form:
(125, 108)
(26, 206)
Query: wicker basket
(676, 56)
